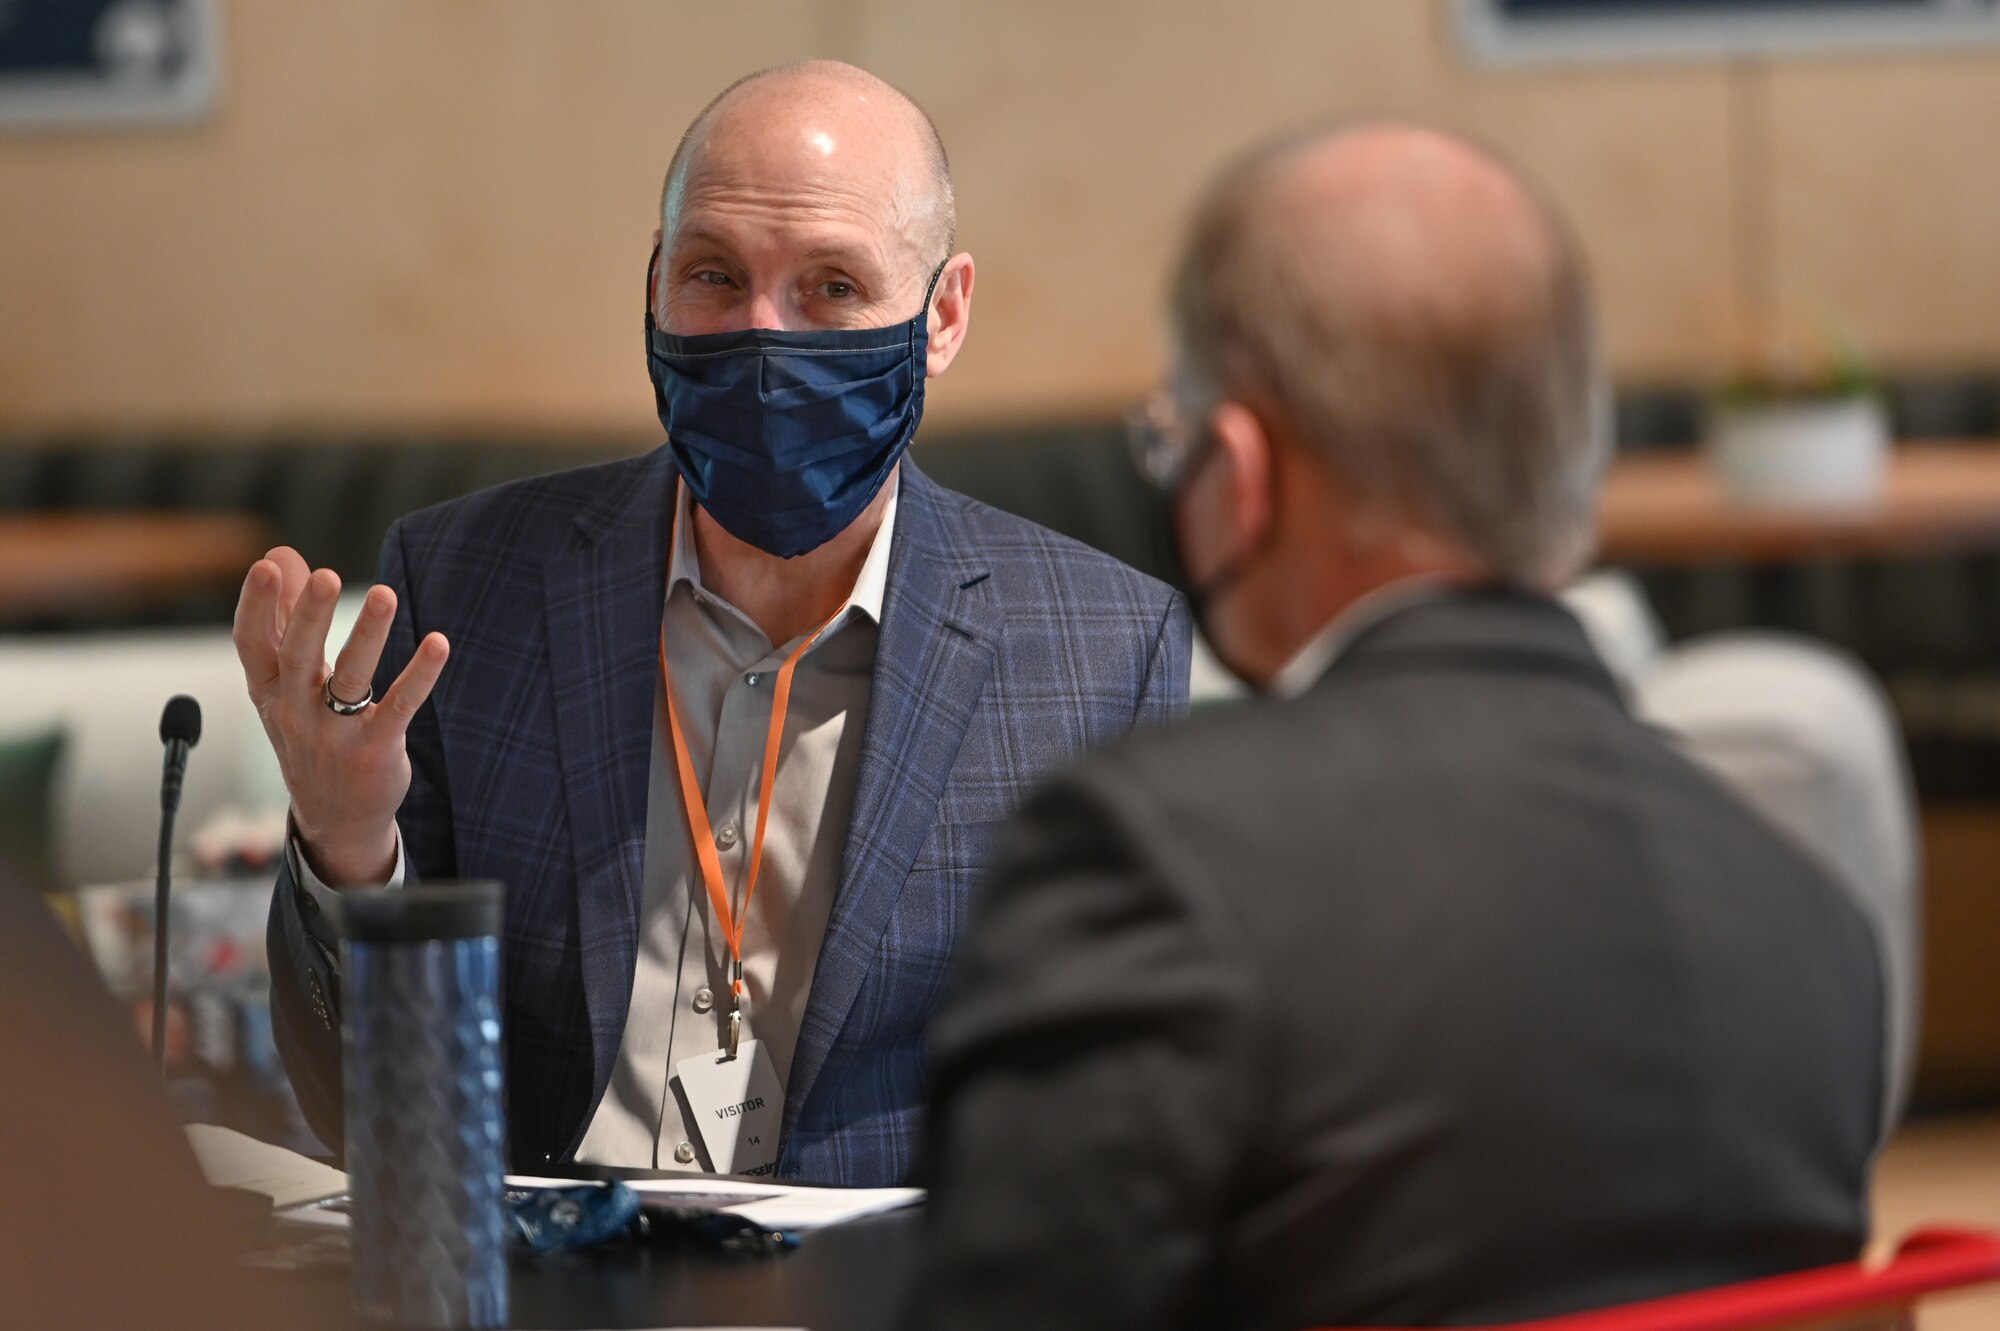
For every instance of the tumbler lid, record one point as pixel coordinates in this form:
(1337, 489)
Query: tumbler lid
(421, 913)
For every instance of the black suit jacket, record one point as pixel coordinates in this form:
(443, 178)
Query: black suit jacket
(1447, 993)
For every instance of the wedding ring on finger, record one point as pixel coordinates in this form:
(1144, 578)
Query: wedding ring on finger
(340, 706)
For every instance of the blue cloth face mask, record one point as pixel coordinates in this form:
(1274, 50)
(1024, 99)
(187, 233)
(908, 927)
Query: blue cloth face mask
(784, 437)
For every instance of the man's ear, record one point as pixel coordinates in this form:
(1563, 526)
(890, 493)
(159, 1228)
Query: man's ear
(950, 314)
(1245, 448)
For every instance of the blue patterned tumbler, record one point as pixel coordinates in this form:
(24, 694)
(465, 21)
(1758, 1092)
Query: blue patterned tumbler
(420, 980)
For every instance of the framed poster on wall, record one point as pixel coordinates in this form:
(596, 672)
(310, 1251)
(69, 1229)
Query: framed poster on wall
(1533, 31)
(107, 62)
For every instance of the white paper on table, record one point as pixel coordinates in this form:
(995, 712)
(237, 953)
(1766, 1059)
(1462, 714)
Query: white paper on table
(317, 1215)
(229, 1159)
(773, 1205)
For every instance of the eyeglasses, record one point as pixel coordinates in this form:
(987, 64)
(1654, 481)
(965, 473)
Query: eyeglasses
(1161, 443)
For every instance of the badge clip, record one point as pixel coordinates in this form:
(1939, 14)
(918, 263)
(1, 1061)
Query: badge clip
(735, 1008)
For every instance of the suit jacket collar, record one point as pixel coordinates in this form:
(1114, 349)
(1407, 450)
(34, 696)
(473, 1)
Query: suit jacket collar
(1310, 663)
(1480, 628)
(637, 501)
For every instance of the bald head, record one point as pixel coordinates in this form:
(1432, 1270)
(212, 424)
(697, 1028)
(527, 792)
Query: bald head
(828, 115)
(1414, 313)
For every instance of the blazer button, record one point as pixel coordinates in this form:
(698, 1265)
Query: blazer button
(684, 1153)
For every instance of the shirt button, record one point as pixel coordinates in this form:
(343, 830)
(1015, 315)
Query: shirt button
(752, 678)
(703, 999)
(726, 837)
(684, 1153)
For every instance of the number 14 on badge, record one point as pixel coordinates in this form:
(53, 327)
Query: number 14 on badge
(738, 1107)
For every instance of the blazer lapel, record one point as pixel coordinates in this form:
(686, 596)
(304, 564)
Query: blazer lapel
(939, 636)
(603, 607)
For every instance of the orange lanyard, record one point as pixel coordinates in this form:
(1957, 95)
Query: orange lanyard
(699, 831)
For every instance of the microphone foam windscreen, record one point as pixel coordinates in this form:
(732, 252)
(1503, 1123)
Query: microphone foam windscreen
(181, 720)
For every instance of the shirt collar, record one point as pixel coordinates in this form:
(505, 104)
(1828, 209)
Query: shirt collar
(870, 587)
(1314, 659)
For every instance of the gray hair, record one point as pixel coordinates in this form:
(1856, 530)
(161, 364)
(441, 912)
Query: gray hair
(1492, 431)
(941, 201)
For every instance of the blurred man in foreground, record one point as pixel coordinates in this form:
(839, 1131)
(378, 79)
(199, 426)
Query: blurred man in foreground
(107, 1223)
(1433, 988)
(733, 721)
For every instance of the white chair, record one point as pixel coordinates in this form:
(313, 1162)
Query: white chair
(105, 690)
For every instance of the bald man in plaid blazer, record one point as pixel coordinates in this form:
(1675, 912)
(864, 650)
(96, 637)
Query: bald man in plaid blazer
(593, 686)
(1004, 652)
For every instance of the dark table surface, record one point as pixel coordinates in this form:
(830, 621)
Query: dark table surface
(851, 1277)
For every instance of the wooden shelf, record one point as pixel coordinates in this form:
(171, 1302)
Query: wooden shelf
(1670, 509)
(61, 562)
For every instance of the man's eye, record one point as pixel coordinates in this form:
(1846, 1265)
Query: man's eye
(712, 277)
(837, 290)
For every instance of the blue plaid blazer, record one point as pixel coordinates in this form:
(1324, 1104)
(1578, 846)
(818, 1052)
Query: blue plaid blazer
(1005, 651)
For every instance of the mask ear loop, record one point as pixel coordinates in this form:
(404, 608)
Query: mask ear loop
(924, 313)
(1224, 579)
(652, 277)
(917, 380)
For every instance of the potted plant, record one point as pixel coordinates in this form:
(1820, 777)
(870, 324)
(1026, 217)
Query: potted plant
(1816, 435)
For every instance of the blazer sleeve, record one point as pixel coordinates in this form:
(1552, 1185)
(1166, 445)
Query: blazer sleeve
(1092, 1080)
(1163, 697)
(303, 945)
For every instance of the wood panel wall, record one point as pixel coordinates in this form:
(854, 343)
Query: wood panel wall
(434, 216)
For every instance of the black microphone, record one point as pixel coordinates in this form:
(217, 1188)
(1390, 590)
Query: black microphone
(180, 728)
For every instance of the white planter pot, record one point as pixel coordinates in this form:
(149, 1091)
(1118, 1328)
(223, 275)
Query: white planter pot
(1826, 453)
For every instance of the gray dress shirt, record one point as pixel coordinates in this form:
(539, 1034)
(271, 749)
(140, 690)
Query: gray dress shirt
(724, 670)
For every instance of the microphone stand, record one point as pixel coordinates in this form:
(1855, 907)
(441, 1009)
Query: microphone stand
(161, 890)
(180, 728)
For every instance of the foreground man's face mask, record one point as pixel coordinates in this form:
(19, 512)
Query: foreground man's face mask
(784, 437)
(1170, 453)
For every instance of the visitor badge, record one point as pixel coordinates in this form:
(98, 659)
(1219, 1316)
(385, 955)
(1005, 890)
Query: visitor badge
(738, 1107)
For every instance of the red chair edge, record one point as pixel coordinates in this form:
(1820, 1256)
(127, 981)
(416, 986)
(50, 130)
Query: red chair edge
(1930, 1259)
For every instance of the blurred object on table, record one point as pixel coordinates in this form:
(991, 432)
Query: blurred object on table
(221, 1059)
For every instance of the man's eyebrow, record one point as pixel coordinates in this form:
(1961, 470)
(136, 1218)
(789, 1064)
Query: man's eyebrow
(849, 255)
(698, 236)
(843, 253)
